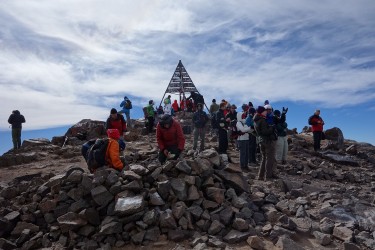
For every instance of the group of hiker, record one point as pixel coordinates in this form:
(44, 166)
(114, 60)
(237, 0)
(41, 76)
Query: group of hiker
(250, 129)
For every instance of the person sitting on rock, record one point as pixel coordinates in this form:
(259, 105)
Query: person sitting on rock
(112, 155)
(170, 138)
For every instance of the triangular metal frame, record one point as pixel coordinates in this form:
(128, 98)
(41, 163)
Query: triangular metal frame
(180, 83)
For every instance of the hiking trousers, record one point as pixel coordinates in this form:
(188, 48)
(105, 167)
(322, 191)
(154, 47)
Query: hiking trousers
(199, 133)
(243, 146)
(252, 149)
(150, 124)
(223, 141)
(281, 148)
(317, 135)
(16, 137)
(267, 149)
(128, 122)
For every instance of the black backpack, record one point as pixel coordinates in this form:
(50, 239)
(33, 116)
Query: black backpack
(94, 153)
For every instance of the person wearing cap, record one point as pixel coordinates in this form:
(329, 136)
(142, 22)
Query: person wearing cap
(112, 155)
(200, 119)
(16, 120)
(316, 123)
(126, 106)
(252, 137)
(282, 140)
(116, 121)
(170, 138)
(269, 116)
(267, 144)
(150, 112)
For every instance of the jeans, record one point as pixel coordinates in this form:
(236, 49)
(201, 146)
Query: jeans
(243, 146)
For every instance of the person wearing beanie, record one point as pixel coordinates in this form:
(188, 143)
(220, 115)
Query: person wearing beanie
(112, 155)
(282, 140)
(16, 120)
(126, 106)
(214, 107)
(116, 121)
(267, 144)
(316, 123)
(252, 137)
(170, 138)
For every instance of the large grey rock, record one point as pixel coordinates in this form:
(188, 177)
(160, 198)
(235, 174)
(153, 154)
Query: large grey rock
(179, 187)
(111, 228)
(129, 205)
(215, 227)
(286, 243)
(155, 199)
(216, 194)
(234, 180)
(322, 238)
(167, 220)
(235, 236)
(71, 221)
(183, 166)
(343, 233)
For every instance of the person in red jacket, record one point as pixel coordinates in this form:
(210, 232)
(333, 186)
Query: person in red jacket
(112, 155)
(116, 121)
(316, 123)
(175, 106)
(170, 138)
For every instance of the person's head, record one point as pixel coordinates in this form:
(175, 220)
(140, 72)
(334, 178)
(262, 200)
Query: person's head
(113, 113)
(251, 104)
(233, 108)
(277, 113)
(245, 107)
(268, 108)
(113, 133)
(222, 106)
(151, 102)
(169, 96)
(214, 100)
(199, 106)
(166, 121)
(266, 102)
(252, 111)
(261, 110)
(126, 98)
(16, 112)
(317, 112)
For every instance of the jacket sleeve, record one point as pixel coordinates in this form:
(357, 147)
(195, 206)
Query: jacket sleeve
(241, 127)
(23, 119)
(114, 155)
(10, 119)
(180, 137)
(122, 104)
(159, 138)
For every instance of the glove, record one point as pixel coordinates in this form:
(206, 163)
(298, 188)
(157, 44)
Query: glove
(285, 110)
(221, 125)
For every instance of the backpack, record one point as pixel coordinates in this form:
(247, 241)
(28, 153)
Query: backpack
(145, 112)
(128, 104)
(235, 132)
(214, 121)
(95, 155)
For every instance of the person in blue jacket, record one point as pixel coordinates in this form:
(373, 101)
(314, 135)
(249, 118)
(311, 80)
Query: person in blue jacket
(126, 106)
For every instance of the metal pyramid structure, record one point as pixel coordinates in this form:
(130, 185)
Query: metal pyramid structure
(180, 81)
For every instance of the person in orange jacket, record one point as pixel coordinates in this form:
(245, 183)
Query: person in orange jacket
(112, 155)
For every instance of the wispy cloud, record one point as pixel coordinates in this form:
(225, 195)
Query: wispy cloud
(66, 60)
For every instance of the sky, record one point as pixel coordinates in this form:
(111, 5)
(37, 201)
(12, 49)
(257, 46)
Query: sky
(65, 60)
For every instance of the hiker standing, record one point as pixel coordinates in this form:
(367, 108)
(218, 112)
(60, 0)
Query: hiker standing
(175, 106)
(116, 121)
(267, 144)
(252, 137)
(170, 138)
(282, 140)
(231, 118)
(168, 105)
(200, 119)
(316, 123)
(222, 127)
(150, 112)
(16, 120)
(214, 107)
(243, 141)
(126, 106)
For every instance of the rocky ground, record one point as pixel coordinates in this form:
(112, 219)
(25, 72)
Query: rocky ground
(320, 200)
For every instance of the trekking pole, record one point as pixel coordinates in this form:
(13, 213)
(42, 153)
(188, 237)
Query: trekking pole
(66, 139)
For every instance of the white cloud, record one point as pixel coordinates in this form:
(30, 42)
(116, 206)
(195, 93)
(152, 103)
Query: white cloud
(62, 59)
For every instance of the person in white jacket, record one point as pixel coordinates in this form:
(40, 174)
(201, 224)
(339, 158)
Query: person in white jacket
(243, 140)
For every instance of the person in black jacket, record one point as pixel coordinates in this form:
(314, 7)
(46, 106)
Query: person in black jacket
(222, 127)
(16, 120)
(200, 119)
(282, 139)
